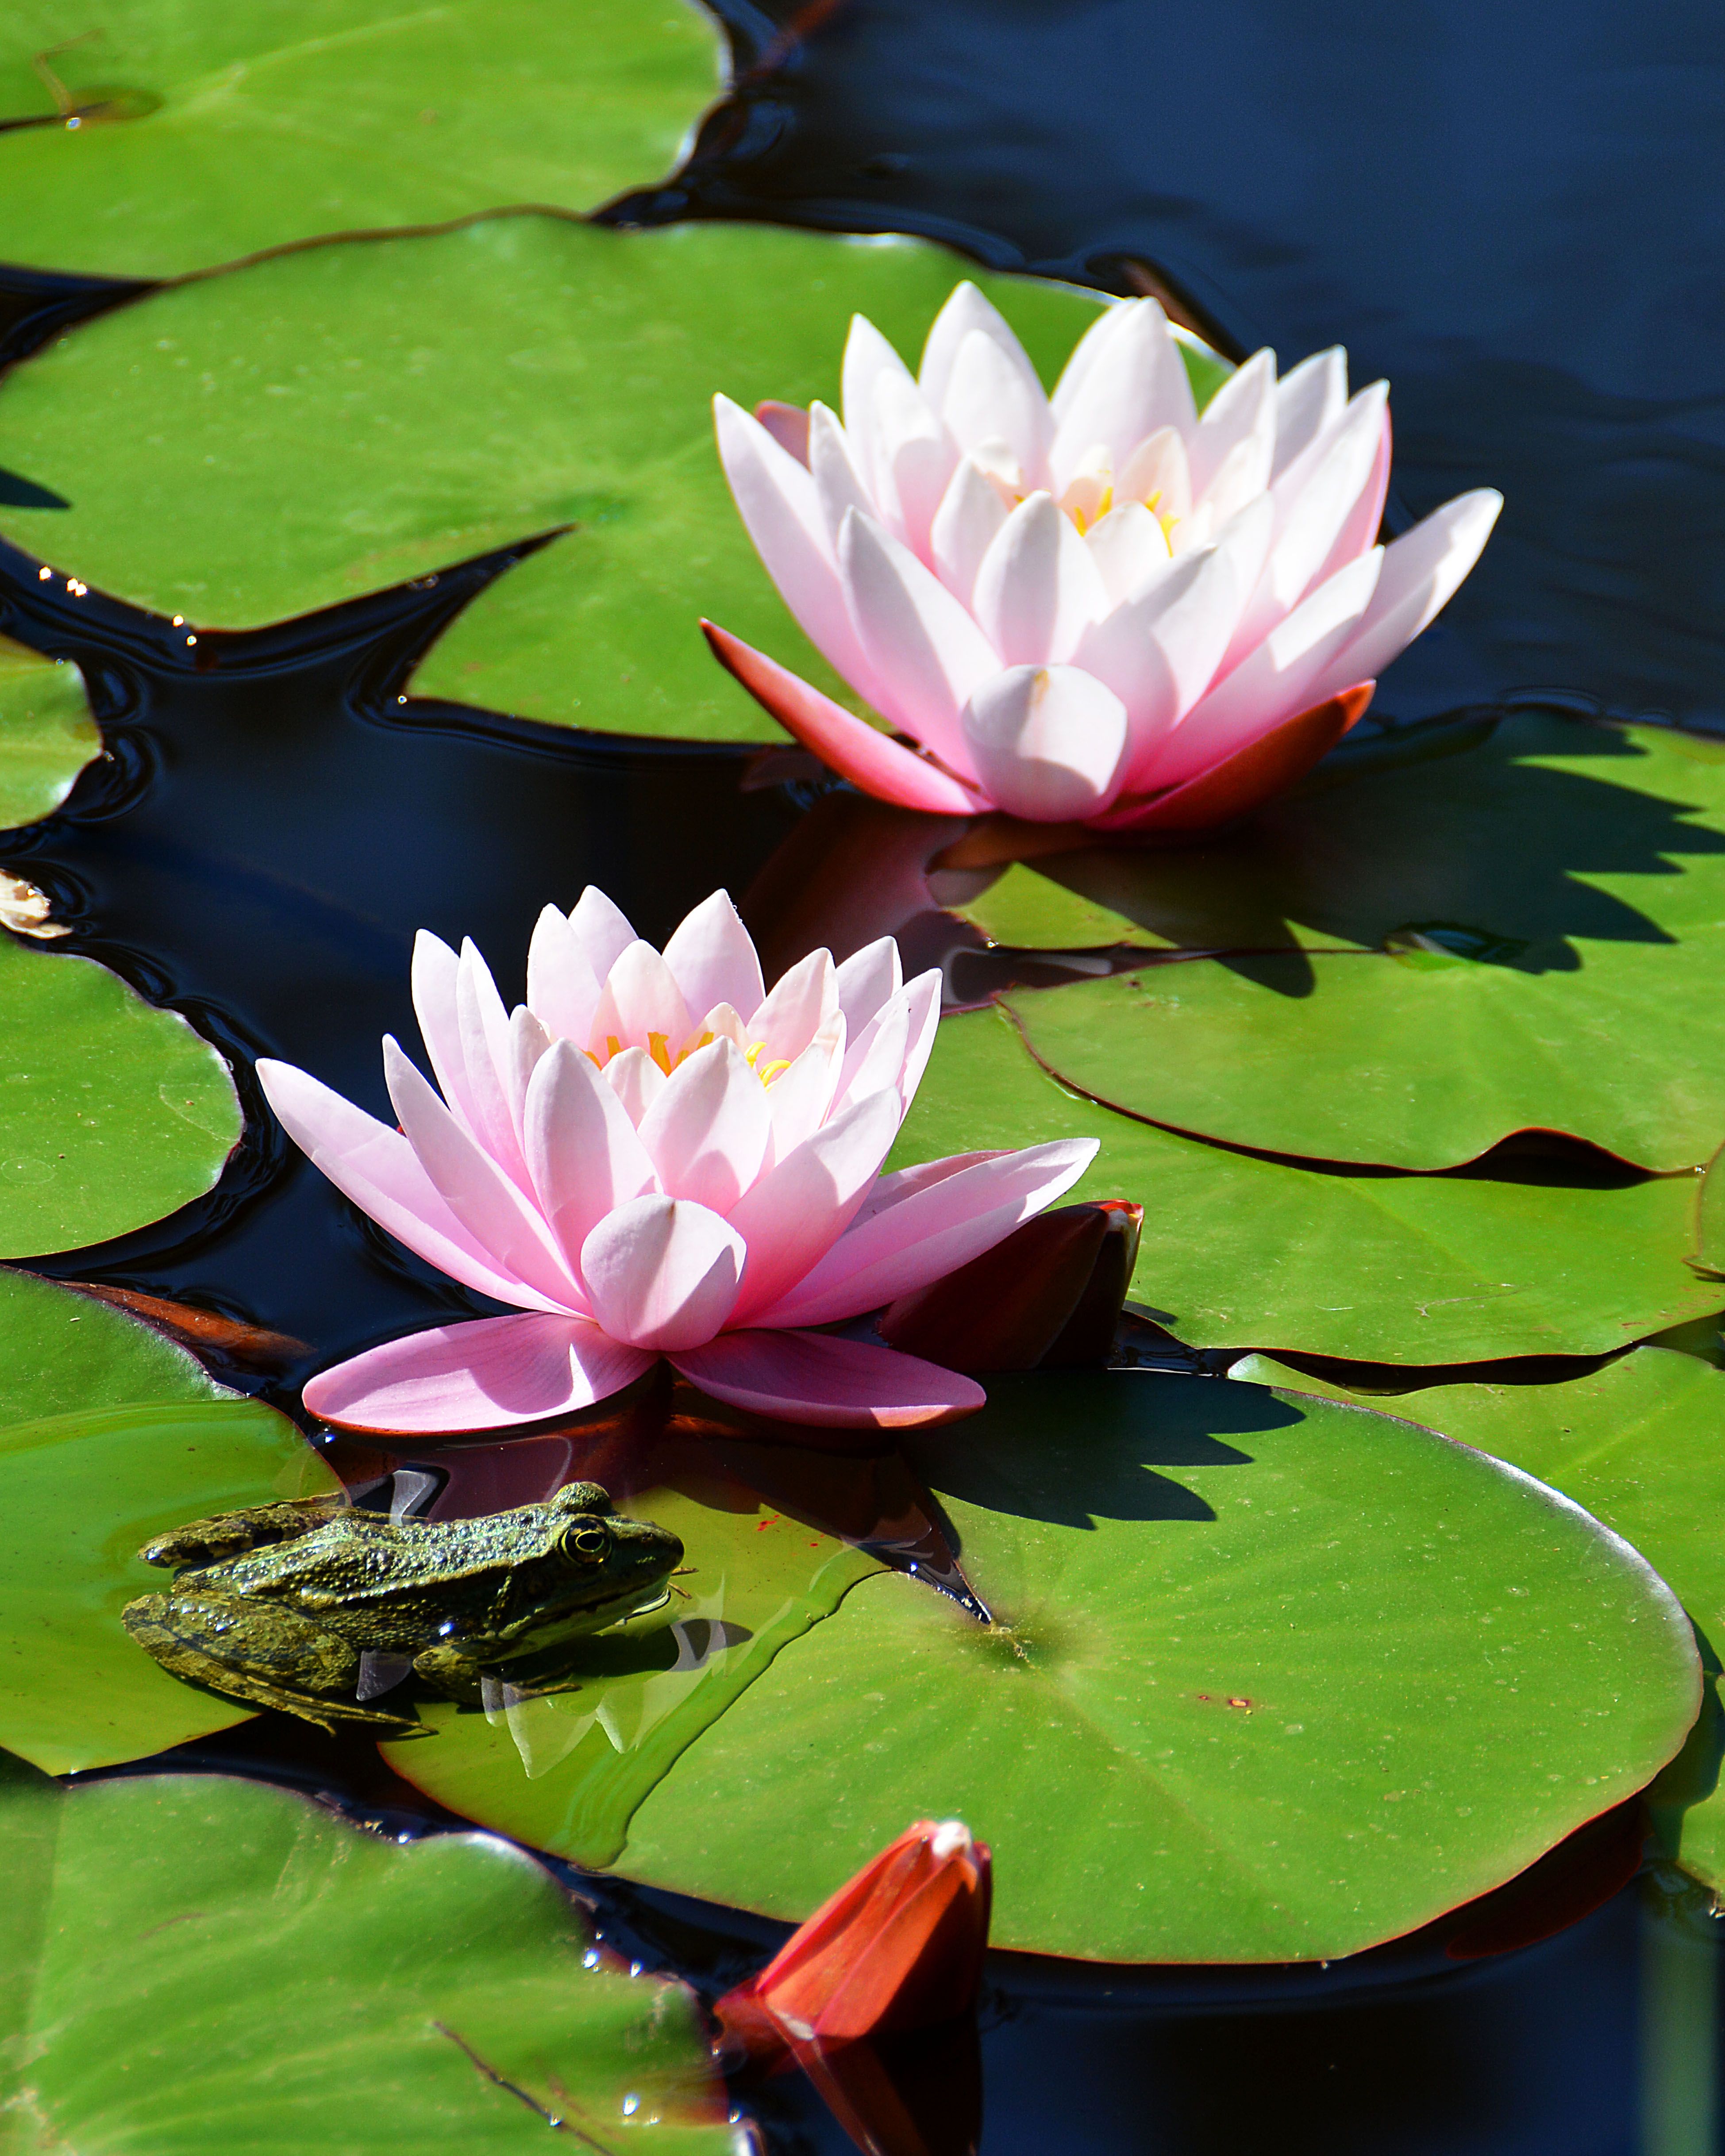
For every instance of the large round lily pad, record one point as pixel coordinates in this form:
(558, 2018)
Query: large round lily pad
(207, 132)
(1373, 1264)
(343, 419)
(1273, 1680)
(110, 1435)
(1422, 1060)
(112, 1113)
(1638, 1443)
(47, 735)
(1528, 842)
(196, 1964)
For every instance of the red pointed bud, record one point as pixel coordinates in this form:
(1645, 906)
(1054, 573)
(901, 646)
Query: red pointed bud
(900, 1946)
(1048, 1297)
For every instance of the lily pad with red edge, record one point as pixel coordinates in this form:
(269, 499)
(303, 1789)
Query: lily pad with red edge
(206, 132)
(349, 416)
(110, 1435)
(1271, 1679)
(1533, 1258)
(199, 1963)
(1638, 1443)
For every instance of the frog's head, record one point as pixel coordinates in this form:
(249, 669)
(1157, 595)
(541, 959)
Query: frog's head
(595, 1562)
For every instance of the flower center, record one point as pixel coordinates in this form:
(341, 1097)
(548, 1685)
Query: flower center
(658, 1048)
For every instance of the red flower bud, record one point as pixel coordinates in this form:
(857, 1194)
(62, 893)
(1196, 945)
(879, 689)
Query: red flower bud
(898, 1948)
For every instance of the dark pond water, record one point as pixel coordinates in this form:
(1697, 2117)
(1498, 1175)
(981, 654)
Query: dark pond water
(1515, 214)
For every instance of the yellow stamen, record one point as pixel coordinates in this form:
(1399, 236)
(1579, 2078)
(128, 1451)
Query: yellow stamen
(771, 1071)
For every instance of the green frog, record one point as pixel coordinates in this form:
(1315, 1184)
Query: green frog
(304, 1604)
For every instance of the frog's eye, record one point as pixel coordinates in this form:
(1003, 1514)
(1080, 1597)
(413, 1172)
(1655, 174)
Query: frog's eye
(587, 1541)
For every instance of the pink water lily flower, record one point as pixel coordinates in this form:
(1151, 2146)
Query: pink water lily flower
(1101, 606)
(656, 1157)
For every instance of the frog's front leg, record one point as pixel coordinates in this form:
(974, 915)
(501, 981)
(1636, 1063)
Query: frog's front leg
(455, 1668)
(259, 1653)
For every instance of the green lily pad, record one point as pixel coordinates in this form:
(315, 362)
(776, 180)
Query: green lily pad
(47, 735)
(112, 1113)
(568, 1770)
(1531, 843)
(200, 1964)
(1373, 1265)
(1419, 1060)
(1637, 1444)
(207, 132)
(110, 1435)
(1273, 1680)
(268, 442)
(1550, 895)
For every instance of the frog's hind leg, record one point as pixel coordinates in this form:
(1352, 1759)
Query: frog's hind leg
(259, 1654)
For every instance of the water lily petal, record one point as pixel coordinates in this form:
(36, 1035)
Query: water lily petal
(915, 455)
(776, 500)
(486, 1057)
(582, 1147)
(640, 998)
(563, 986)
(1365, 520)
(713, 958)
(1127, 545)
(1038, 588)
(868, 979)
(1194, 623)
(828, 1383)
(707, 1131)
(378, 1170)
(1268, 764)
(872, 761)
(636, 1080)
(800, 1209)
(433, 976)
(487, 1374)
(868, 357)
(800, 1098)
(1281, 677)
(1125, 656)
(923, 647)
(662, 1272)
(1048, 742)
(1242, 414)
(1085, 353)
(972, 512)
(839, 484)
(799, 1003)
(1308, 398)
(788, 424)
(1158, 470)
(603, 930)
(968, 314)
(993, 394)
(931, 1230)
(501, 1217)
(1137, 384)
(1421, 571)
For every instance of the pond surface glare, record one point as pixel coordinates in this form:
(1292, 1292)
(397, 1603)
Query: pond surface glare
(1516, 215)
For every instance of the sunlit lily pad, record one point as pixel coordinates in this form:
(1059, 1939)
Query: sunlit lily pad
(1638, 1443)
(110, 1435)
(207, 132)
(343, 419)
(47, 735)
(1378, 1266)
(567, 1769)
(1550, 897)
(112, 1113)
(199, 1963)
(1273, 1680)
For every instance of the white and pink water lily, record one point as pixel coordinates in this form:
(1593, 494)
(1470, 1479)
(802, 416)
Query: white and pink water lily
(656, 1157)
(1099, 606)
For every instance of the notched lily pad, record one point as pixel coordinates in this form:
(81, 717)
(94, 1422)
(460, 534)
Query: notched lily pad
(201, 1964)
(1638, 1443)
(1276, 1681)
(169, 139)
(1372, 1264)
(47, 735)
(341, 419)
(110, 1435)
(112, 1113)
